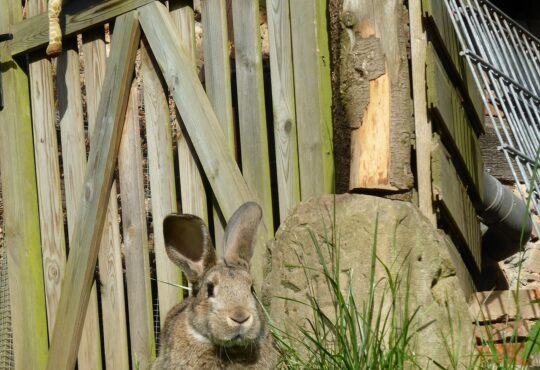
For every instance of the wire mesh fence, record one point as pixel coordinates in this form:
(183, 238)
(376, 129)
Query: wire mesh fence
(6, 343)
(504, 59)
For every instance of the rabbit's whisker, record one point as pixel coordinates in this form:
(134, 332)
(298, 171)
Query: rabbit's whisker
(175, 285)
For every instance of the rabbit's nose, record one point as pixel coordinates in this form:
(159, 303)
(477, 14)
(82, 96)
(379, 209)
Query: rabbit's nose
(239, 316)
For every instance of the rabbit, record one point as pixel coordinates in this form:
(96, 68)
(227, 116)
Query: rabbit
(221, 325)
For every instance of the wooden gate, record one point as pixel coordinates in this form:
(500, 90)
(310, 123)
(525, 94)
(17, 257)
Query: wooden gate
(66, 213)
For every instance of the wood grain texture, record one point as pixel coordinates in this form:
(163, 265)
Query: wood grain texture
(217, 78)
(134, 230)
(284, 106)
(192, 192)
(199, 118)
(370, 152)
(422, 126)
(251, 105)
(33, 33)
(74, 161)
(454, 204)
(53, 245)
(443, 34)
(217, 71)
(447, 111)
(109, 257)
(93, 204)
(313, 96)
(48, 177)
(21, 213)
(376, 39)
(161, 175)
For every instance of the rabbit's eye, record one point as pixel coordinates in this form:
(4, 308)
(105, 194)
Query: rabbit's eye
(210, 289)
(252, 290)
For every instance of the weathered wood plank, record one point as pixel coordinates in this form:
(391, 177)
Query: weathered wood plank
(161, 175)
(285, 136)
(193, 195)
(217, 72)
(92, 207)
(251, 105)
(109, 257)
(442, 31)
(252, 113)
(452, 198)
(217, 77)
(53, 245)
(446, 105)
(313, 111)
(33, 33)
(138, 284)
(422, 125)
(502, 305)
(21, 213)
(376, 94)
(199, 119)
(74, 162)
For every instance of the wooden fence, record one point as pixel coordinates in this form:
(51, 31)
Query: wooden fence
(73, 171)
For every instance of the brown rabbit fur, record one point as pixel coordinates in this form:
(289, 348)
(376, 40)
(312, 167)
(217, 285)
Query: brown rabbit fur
(221, 325)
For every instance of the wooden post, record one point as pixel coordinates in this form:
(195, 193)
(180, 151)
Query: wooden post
(93, 204)
(313, 91)
(423, 130)
(21, 215)
(376, 94)
(285, 137)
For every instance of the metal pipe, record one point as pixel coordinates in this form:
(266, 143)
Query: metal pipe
(509, 224)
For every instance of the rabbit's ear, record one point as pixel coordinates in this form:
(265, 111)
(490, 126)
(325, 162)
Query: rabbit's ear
(188, 244)
(240, 233)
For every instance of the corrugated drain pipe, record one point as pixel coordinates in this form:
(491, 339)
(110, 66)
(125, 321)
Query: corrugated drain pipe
(505, 218)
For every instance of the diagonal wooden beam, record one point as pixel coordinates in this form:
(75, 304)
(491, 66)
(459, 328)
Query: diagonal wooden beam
(80, 15)
(200, 121)
(97, 186)
(197, 114)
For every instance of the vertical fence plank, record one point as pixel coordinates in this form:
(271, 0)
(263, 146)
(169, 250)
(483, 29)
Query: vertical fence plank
(422, 124)
(313, 95)
(139, 292)
(161, 174)
(193, 196)
(53, 245)
(92, 207)
(110, 259)
(74, 161)
(217, 76)
(21, 215)
(281, 69)
(200, 121)
(251, 105)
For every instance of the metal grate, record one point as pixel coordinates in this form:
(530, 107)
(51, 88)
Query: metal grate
(504, 59)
